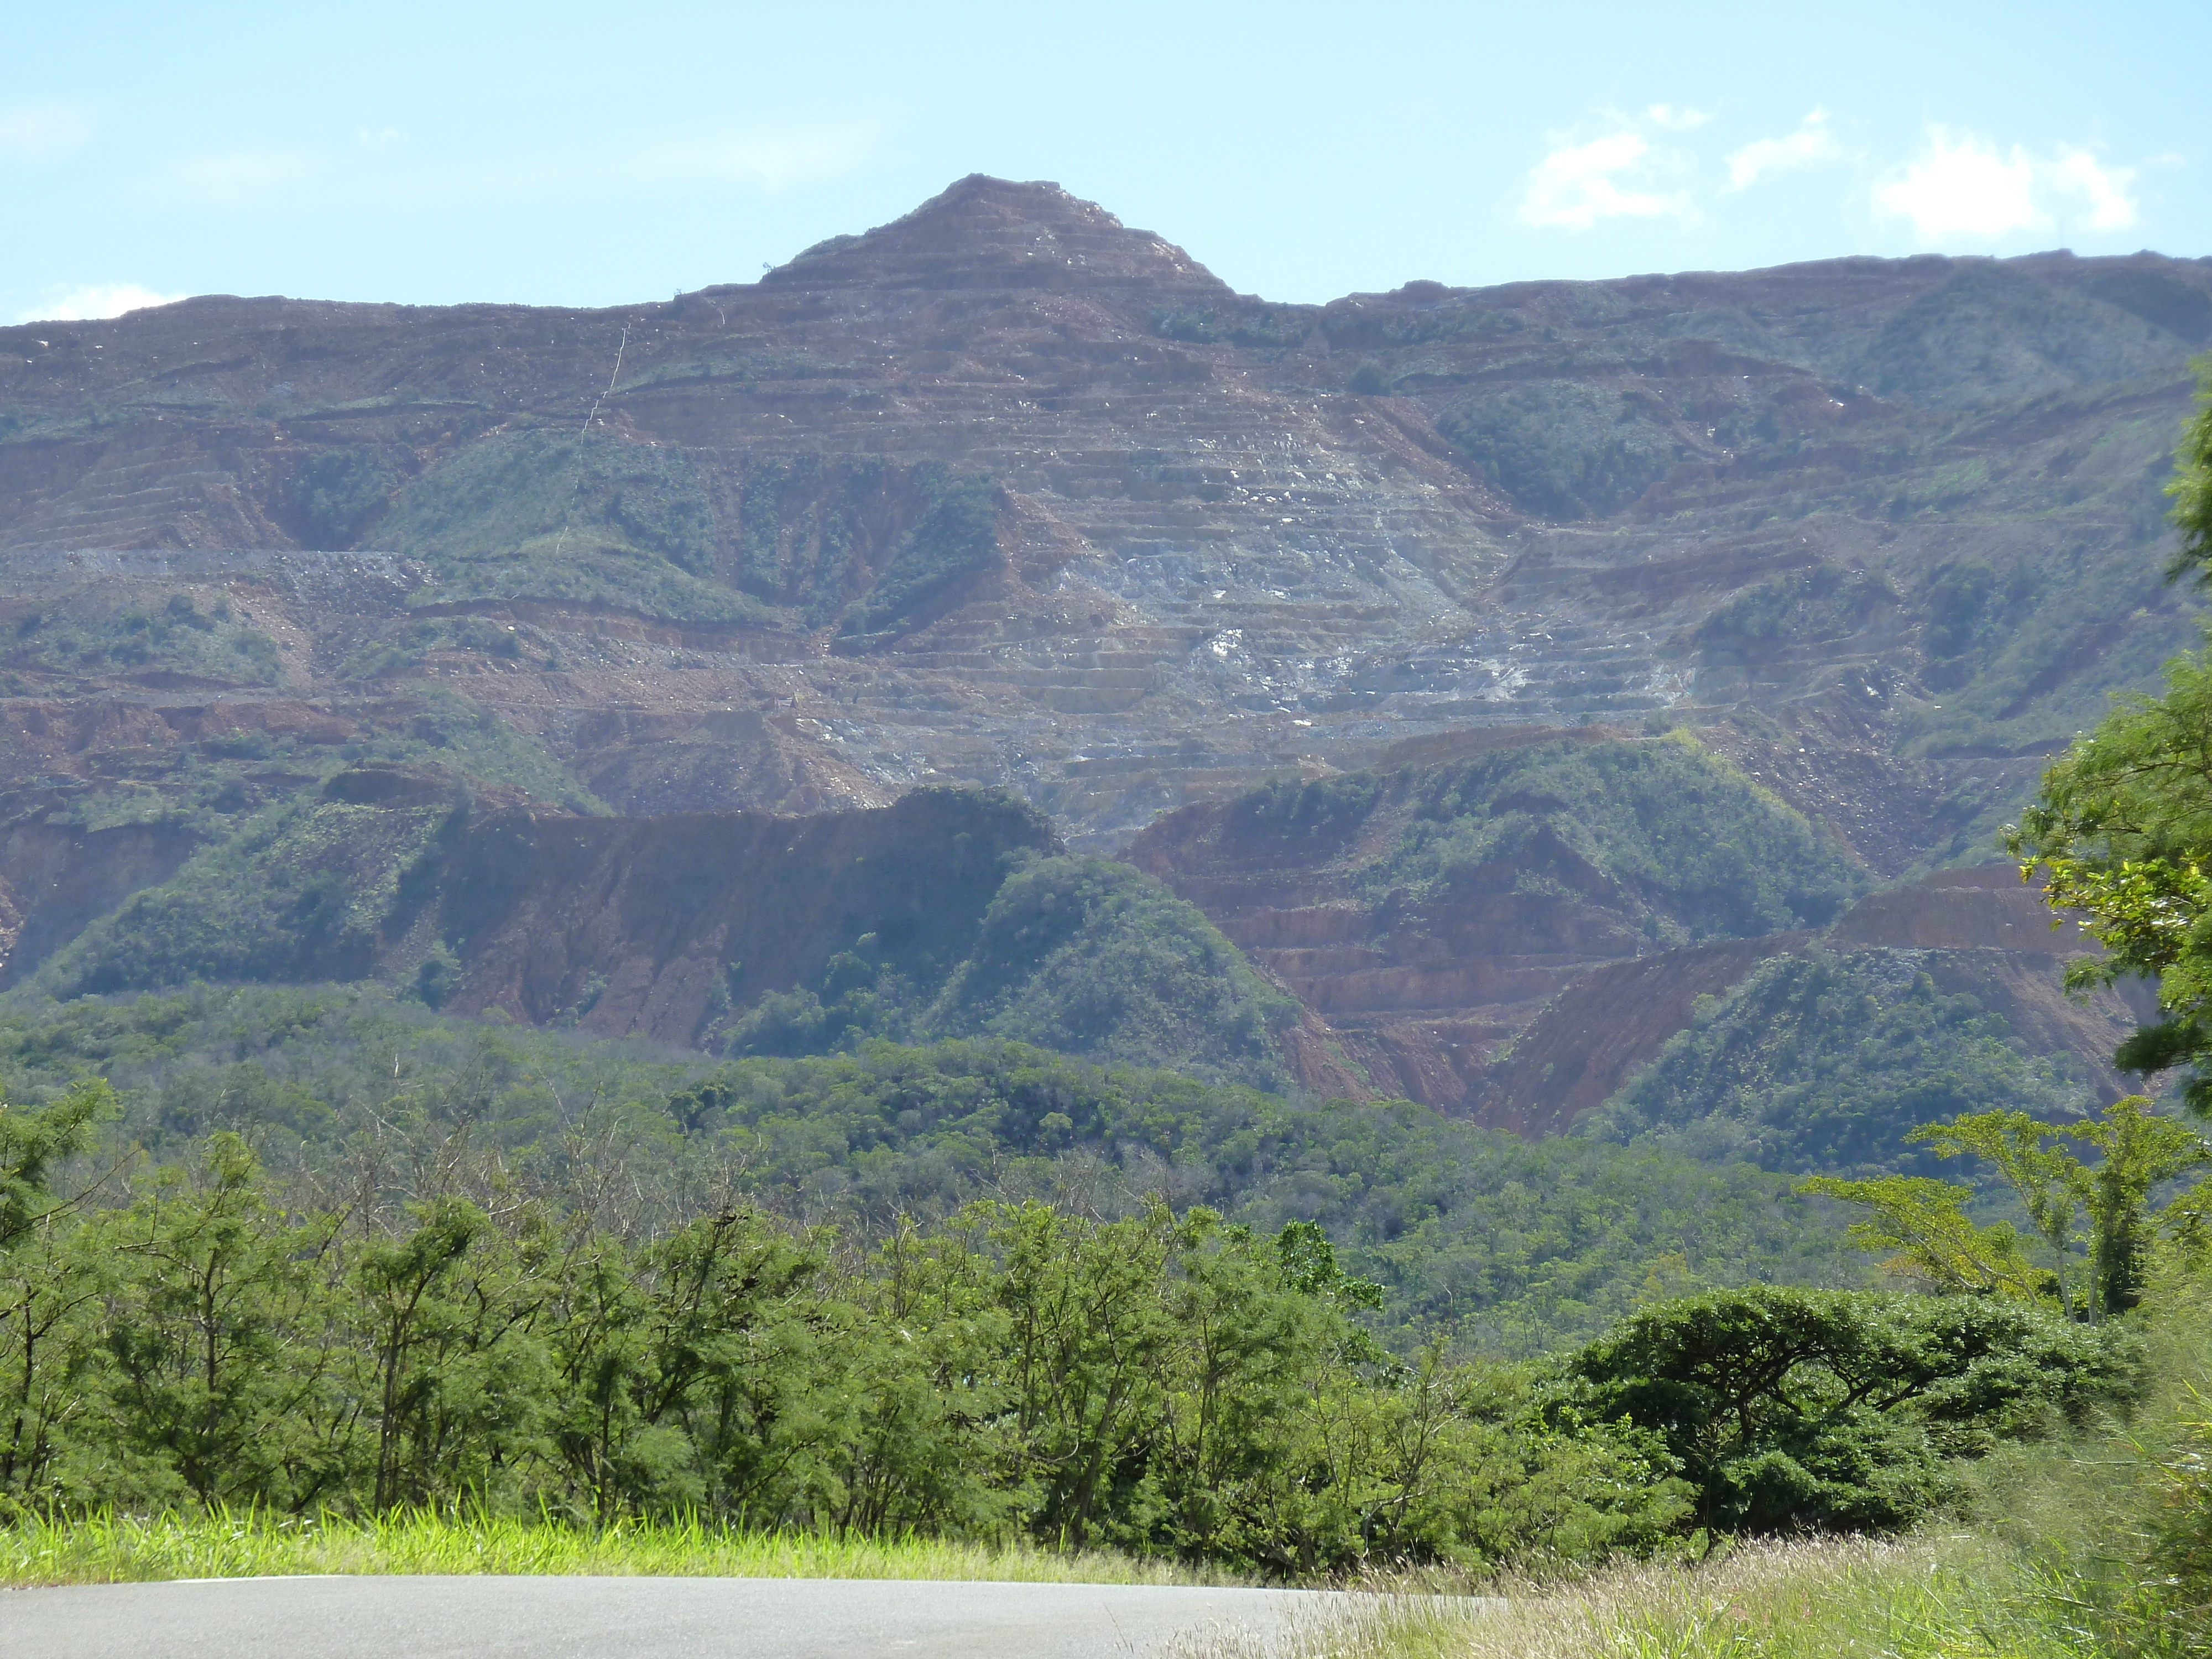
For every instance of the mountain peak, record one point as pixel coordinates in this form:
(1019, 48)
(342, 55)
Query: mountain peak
(994, 233)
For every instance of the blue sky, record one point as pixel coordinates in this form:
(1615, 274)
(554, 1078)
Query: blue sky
(592, 155)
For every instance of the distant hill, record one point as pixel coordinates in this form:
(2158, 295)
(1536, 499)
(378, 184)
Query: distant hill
(951, 913)
(1511, 930)
(1006, 495)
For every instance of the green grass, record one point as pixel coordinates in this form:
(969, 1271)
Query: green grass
(1829, 1599)
(108, 1548)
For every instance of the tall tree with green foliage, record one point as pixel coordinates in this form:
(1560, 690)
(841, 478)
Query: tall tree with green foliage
(1926, 1220)
(2121, 833)
(218, 1336)
(50, 1284)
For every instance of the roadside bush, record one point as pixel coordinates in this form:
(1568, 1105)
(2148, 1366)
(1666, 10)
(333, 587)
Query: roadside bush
(1809, 1410)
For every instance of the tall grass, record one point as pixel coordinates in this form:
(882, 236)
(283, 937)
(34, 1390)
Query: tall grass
(1833, 1599)
(106, 1547)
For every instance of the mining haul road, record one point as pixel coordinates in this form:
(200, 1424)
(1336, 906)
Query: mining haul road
(492, 1618)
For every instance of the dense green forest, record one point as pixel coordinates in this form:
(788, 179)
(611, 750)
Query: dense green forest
(1824, 1062)
(1161, 1383)
(1500, 1245)
(1665, 831)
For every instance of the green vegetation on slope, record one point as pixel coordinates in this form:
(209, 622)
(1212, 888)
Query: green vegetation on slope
(545, 515)
(176, 637)
(313, 885)
(1565, 449)
(1824, 1061)
(1991, 335)
(1093, 958)
(454, 733)
(954, 534)
(1081, 954)
(1503, 1245)
(305, 889)
(549, 516)
(1699, 849)
(366, 872)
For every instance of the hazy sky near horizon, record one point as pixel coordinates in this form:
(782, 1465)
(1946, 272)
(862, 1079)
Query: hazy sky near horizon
(585, 154)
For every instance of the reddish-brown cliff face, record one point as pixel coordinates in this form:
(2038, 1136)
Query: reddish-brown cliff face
(55, 878)
(1977, 931)
(647, 928)
(1005, 492)
(1528, 995)
(1885, 529)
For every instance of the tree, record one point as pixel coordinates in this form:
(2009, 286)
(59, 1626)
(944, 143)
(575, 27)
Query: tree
(1926, 1222)
(2121, 833)
(2140, 1150)
(1829, 1409)
(32, 1143)
(2192, 487)
(218, 1332)
(45, 1285)
(2049, 1181)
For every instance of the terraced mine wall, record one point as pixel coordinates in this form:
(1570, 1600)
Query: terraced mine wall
(1005, 493)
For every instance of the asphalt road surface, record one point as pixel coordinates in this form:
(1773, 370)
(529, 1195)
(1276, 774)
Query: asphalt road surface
(497, 1618)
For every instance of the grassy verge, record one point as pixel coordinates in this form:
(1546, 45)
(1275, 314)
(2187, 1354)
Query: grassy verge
(1833, 1599)
(114, 1549)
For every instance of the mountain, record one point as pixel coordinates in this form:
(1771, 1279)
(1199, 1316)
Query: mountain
(1509, 928)
(1006, 495)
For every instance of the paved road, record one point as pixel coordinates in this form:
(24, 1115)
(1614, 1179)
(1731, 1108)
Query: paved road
(491, 1617)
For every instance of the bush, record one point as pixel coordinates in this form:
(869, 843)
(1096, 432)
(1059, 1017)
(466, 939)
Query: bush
(1794, 1410)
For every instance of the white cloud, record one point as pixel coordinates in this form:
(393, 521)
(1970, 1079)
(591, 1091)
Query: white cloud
(1811, 142)
(1667, 116)
(1577, 185)
(90, 304)
(2105, 189)
(44, 132)
(1964, 185)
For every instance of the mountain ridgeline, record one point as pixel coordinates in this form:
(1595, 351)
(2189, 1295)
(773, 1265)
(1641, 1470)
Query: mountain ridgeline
(1555, 705)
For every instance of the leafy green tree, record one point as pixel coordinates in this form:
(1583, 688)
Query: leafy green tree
(2122, 833)
(2050, 1181)
(2141, 1150)
(2192, 487)
(1249, 1332)
(743, 1365)
(48, 1283)
(1796, 1409)
(52, 1363)
(34, 1142)
(219, 1330)
(414, 1326)
(1089, 1340)
(1926, 1222)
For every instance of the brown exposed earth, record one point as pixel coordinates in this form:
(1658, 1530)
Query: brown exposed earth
(1007, 493)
